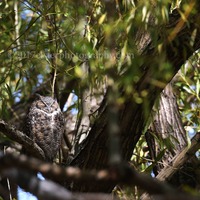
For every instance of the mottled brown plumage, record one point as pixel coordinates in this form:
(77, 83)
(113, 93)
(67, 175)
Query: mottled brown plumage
(45, 125)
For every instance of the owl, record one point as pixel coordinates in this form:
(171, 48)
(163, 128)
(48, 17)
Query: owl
(45, 125)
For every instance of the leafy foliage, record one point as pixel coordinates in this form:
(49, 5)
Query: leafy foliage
(41, 40)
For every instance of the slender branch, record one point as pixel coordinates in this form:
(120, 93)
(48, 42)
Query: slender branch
(51, 21)
(16, 22)
(54, 81)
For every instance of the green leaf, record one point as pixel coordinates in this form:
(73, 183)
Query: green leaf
(9, 91)
(198, 87)
(102, 18)
(17, 84)
(188, 89)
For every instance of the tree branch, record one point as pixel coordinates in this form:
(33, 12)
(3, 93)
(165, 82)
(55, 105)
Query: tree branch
(18, 136)
(118, 174)
(47, 189)
(180, 159)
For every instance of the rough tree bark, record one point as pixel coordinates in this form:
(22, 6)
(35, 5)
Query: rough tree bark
(168, 128)
(166, 139)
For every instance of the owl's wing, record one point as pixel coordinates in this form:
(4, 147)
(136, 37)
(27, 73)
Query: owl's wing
(27, 126)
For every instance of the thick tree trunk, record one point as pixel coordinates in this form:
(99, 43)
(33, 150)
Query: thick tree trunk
(168, 130)
(174, 160)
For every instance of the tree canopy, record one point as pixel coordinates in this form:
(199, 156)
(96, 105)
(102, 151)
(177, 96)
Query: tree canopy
(126, 77)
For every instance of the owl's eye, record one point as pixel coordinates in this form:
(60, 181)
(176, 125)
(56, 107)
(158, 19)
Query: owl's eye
(40, 104)
(54, 105)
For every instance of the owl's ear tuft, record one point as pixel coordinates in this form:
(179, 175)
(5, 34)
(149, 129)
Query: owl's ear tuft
(38, 96)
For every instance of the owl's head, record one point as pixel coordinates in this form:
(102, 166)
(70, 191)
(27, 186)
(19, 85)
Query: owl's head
(47, 104)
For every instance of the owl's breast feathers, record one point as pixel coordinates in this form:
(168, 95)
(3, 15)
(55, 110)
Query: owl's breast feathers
(45, 123)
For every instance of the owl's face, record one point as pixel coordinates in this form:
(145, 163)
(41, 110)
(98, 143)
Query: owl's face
(47, 104)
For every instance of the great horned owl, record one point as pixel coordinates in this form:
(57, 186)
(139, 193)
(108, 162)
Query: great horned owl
(45, 125)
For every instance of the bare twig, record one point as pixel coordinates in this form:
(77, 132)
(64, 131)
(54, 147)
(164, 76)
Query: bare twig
(16, 22)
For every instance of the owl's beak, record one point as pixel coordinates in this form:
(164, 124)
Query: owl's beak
(49, 108)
